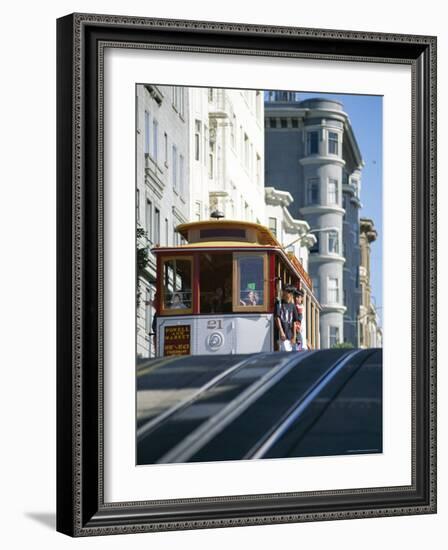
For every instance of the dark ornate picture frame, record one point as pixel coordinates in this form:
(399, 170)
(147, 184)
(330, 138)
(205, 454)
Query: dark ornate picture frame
(81, 41)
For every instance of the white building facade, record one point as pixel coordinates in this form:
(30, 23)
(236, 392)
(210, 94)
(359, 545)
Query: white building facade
(162, 188)
(200, 154)
(227, 154)
(293, 234)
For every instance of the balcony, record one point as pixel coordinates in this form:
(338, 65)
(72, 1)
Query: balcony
(221, 106)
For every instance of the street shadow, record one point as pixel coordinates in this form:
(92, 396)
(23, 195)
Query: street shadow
(48, 519)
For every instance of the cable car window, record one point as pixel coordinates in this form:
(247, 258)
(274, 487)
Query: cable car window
(222, 233)
(215, 283)
(250, 276)
(177, 284)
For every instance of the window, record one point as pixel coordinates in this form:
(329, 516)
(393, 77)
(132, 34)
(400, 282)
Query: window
(222, 233)
(137, 205)
(249, 281)
(175, 182)
(251, 159)
(258, 104)
(182, 101)
(210, 94)
(165, 138)
(177, 277)
(181, 176)
(215, 283)
(333, 291)
(155, 139)
(167, 235)
(218, 175)
(313, 143)
(273, 226)
(354, 183)
(283, 122)
(295, 123)
(333, 336)
(232, 132)
(148, 311)
(333, 242)
(197, 140)
(197, 210)
(147, 130)
(333, 144)
(148, 219)
(313, 191)
(333, 191)
(315, 248)
(175, 235)
(315, 282)
(258, 176)
(273, 122)
(246, 151)
(205, 144)
(157, 226)
(210, 166)
(178, 99)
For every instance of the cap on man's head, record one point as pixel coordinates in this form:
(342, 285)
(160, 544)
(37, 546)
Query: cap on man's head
(289, 289)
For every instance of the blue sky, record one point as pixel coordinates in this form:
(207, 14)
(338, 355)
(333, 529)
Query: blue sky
(366, 116)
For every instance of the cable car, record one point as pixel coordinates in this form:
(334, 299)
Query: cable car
(216, 294)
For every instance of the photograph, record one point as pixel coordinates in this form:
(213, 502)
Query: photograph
(259, 271)
(246, 274)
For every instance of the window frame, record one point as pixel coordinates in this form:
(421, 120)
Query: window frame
(273, 231)
(308, 142)
(331, 182)
(174, 155)
(236, 306)
(181, 170)
(338, 335)
(332, 142)
(156, 222)
(330, 234)
(311, 182)
(174, 257)
(197, 140)
(337, 289)
(155, 140)
(147, 132)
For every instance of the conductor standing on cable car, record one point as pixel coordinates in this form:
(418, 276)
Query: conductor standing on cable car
(285, 318)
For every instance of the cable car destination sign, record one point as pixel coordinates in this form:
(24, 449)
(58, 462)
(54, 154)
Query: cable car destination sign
(177, 340)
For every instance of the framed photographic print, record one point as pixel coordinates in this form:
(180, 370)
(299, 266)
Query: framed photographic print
(246, 274)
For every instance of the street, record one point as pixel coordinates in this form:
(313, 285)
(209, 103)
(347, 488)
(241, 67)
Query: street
(270, 405)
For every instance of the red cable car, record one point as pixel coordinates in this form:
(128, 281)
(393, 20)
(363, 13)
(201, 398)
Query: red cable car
(216, 294)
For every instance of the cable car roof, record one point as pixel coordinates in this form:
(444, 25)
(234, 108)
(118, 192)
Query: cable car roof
(225, 231)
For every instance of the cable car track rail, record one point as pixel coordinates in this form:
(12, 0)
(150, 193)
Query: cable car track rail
(262, 449)
(147, 427)
(216, 423)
